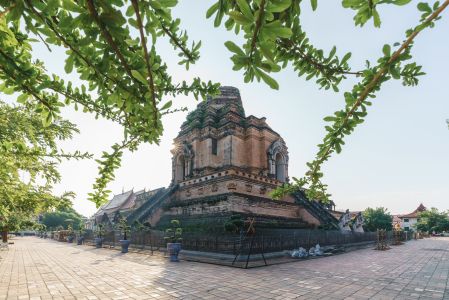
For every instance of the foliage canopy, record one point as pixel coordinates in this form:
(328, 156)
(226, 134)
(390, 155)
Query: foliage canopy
(377, 218)
(111, 45)
(433, 221)
(63, 218)
(29, 156)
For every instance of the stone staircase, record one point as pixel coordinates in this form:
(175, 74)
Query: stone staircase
(316, 209)
(151, 204)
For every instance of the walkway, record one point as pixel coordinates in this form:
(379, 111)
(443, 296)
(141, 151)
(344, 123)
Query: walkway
(33, 268)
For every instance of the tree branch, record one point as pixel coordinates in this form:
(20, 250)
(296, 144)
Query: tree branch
(103, 110)
(293, 48)
(257, 28)
(147, 60)
(175, 40)
(71, 47)
(376, 79)
(26, 88)
(108, 37)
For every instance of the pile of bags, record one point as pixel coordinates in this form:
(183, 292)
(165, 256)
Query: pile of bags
(303, 253)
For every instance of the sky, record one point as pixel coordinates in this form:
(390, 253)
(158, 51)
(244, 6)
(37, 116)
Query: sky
(397, 159)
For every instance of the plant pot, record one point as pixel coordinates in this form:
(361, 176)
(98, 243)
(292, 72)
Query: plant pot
(98, 242)
(173, 250)
(125, 245)
(70, 239)
(80, 241)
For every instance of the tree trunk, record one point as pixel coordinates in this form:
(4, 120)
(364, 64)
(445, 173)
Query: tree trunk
(5, 235)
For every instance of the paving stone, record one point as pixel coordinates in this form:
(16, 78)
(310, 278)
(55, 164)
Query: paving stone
(34, 268)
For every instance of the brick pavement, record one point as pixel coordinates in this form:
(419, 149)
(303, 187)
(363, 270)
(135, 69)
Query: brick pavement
(41, 269)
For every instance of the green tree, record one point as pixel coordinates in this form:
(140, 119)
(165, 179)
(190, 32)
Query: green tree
(433, 221)
(63, 217)
(111, 47)
(28, 165)
(377, 218)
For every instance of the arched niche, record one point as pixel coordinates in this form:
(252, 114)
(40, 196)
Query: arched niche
(277, 155)
(182, 162)
(280, 167)
(180, 172)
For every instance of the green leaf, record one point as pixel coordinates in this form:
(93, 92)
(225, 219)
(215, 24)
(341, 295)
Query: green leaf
(234, 48)
(240, 18)
(376, 18)
(332, 53)
(212, 10)
(132, 42)
(266, 50)
(314, 4)
(402, 2)
(269, 80)
(167, 105)
(16, 11)
(422, 6)
(350, 3)
(282, 32)
(245, 9)
(330, 119)
(278, 6)
(68, 64)
(346, 58)
(139, 77)
(386, 50)
(71, 6)
(395, 72)
(22, 98)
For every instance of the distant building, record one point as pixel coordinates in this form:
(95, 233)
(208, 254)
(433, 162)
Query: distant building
(408, 221)
(120, 205)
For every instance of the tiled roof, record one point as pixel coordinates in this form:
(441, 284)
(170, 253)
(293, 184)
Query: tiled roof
(130, 202)
(415, 213)
(139, 192)
(117, 200)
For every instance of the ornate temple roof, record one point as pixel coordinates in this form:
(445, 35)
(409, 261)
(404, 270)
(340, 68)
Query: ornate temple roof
(217, 111)
(228, 95)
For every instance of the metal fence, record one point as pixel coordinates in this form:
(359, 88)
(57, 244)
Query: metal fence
(262, 242)
(265, 248)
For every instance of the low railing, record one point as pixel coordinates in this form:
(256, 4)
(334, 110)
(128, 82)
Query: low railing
(233, 244)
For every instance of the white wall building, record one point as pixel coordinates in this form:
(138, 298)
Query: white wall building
(408, 221)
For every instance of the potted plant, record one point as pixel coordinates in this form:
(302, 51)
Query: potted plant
(124, 229)
(80, 239)
(173, 238)
(99, 235)
(70, 234)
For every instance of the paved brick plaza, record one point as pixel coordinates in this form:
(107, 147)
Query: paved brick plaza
(40, 269)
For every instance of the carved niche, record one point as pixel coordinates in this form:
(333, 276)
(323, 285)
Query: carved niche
(182, 162)
(232, 186)
(277, 156)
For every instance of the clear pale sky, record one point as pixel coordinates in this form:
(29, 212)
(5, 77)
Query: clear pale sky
(398, 158)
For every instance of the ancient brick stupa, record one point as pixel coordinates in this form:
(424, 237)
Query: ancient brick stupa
(225, 163)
